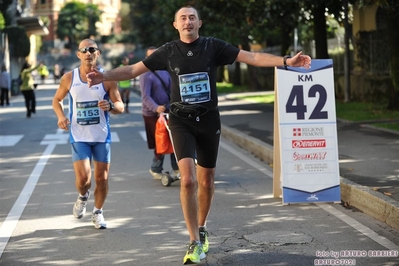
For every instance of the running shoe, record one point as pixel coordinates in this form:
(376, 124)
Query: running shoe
(98, 220)
(79, 209)
(175, 174)
(156, 175)
(204, 239)
(194, 253)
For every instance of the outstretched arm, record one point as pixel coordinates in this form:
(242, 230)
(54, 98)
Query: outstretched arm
(116, 74)
(269, 60)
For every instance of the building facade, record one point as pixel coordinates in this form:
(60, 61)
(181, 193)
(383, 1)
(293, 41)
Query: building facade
(109, 20)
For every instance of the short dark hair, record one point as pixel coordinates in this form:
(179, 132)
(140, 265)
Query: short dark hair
(188, 6)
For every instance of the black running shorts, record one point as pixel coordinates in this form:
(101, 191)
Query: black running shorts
(196, 139)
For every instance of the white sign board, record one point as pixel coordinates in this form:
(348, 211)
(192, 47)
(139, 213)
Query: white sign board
(308, 133)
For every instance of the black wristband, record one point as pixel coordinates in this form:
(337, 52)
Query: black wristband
(285, 61)
(111, 106)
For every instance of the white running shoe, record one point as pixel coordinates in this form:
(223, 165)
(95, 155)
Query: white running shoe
(156, 175)
(79, 209)
(175, 174)
(98, 220)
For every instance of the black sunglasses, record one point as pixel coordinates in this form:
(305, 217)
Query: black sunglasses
(90, 49)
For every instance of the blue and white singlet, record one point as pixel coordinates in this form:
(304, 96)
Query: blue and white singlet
(88, 122)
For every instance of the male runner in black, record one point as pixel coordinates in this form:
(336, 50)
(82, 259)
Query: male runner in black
(194, 118)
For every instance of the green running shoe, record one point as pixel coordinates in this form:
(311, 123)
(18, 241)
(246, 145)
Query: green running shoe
(204, 239)
(194, 253)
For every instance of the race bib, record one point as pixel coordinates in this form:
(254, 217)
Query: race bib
(195, 87)
(87, 113)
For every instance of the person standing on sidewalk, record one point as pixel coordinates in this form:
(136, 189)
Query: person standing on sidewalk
(4, 86)
(194, 120)
(89, 129)
(155, 94)
(27, 88)
(125, 87)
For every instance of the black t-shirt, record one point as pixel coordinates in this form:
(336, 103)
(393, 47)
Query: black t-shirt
(203, 55)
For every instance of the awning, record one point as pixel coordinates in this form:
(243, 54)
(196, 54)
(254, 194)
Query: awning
(33, 25)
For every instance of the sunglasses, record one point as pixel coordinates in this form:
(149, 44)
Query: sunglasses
(90, 49)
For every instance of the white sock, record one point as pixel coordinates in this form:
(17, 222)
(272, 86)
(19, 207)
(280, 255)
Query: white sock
(95, 209)
(85, 195)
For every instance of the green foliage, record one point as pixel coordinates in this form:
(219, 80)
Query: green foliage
(360, 111)
(19, 41)
(4, 4)
(78, 22)
(2, 21)
(152, 21)
(223, 87)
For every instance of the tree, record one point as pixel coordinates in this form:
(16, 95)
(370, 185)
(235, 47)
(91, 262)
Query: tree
(76, 21)
(4, 5)
(151, 22)
(391, 10)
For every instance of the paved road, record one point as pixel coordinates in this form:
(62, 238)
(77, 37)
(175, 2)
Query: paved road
(145, 225)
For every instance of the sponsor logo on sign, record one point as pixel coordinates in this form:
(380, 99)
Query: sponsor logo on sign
(311, 167)
(309, 156)
(298, 167)
(308, 131)
(316, 167)
(311, 143)
(312, 197)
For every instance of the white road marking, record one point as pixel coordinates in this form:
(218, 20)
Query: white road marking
(11, 140)
(143, 135)
(246, 159)
(58, 138)
(11, 221)
(327, 207)
(115, 137)
(359, 227)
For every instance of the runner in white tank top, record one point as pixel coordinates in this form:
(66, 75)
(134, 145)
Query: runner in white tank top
(88, 123)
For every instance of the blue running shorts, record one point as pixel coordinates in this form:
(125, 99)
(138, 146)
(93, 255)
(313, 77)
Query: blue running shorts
(99, 151)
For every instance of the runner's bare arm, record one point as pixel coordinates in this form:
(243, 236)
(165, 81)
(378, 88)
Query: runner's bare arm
(270, 60)
(58, 98)
(116, 74)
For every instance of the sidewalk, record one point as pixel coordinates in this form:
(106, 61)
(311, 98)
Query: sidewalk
(369, 157)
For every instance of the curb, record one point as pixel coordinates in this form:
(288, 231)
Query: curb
(370, 202)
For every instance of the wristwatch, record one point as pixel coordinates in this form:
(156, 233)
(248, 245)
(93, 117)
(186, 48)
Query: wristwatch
(285, 61)
(111, 106)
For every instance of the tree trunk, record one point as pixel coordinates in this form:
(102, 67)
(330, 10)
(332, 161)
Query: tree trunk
(253, 82)
(320, 31)
(236, 79)
(393, 43)
(347, 67)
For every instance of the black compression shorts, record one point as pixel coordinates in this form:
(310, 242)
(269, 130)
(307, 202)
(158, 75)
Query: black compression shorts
(197, 139)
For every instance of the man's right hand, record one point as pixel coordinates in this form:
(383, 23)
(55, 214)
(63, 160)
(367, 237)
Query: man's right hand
(161, 109)
(63, 123)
